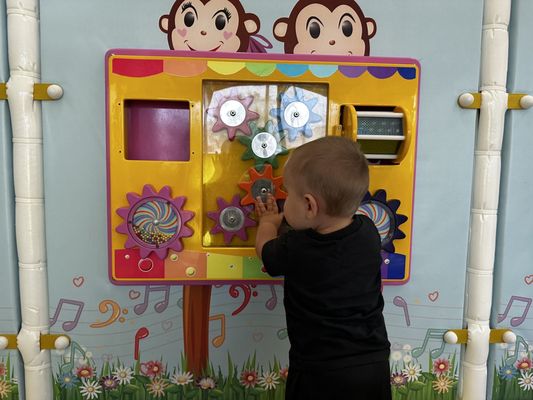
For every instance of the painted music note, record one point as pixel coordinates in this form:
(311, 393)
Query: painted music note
(247, 291)
(219, 340)
(160, 306)
(437, 334)
(273, 301)
(516, 321)
(69, 366)
(116, 312)
(142, 333)
(519, 341)
(68, 325)
(400, 302)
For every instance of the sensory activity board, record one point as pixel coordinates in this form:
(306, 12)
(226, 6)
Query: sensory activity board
(193, 138)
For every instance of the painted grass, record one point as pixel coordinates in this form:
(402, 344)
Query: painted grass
(9, 389)
(215, 384)
(510, 380)
(423, 384)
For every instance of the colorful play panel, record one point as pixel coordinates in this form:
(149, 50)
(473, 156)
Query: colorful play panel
(193, 138)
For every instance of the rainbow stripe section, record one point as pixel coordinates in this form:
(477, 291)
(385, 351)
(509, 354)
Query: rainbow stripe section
(140, 67)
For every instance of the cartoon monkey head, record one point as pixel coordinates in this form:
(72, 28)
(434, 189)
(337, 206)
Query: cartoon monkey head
(329, 27)
(209, 25)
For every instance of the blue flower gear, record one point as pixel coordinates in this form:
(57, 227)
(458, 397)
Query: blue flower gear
(295, 114)
(383, 213)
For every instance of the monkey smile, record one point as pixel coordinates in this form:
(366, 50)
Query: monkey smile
(213, 49)
(350, 53)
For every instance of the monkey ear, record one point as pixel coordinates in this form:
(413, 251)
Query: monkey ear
(371, 27)
(251, 23)
(280, 29)
(163, 23)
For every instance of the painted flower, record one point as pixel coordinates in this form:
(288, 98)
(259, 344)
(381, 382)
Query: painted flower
(85, 372)
(407, 347)
(526, 381)
(523, 364)
(284, 373)
(269, 380)
(507, 372)
(396, 355)
(407, 359)
(182, 379)
(249, 379)
(108, 382)
(123, 375)
(90, 389)
(442, 384)
(2, 369)
(412, 372)
(441, 366)
(206, 383)
(5, 389)
(153, 368)
(67, 380)
(398, 379)
(157, 387)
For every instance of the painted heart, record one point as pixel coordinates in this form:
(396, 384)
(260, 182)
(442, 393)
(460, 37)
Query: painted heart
(182, 32)
(133, 294)
(257, 336)
(528, 279)
(78, 281)
(166, 325)
(433, 296)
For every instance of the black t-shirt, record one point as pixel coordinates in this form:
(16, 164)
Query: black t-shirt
(333, 300)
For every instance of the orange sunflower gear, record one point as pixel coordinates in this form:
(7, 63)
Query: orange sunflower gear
(261, 184)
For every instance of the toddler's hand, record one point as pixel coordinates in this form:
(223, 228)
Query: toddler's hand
(268, 212)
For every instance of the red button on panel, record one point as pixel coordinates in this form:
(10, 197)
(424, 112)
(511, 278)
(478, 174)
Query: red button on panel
(129, 265)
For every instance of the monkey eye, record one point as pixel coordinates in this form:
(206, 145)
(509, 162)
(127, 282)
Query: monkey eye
(188, 19)
(347, 28)
(314, 29)
(220, 21)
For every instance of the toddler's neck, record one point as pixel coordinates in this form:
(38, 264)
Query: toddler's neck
(332, 224)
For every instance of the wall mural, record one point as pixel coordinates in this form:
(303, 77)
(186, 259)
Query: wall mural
(121, 340)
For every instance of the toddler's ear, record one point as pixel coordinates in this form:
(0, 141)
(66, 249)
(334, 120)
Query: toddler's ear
(312, 206)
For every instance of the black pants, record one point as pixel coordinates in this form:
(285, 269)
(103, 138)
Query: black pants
(360, 382)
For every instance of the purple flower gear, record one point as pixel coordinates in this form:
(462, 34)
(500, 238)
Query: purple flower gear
(155, 222)
(231, 219)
